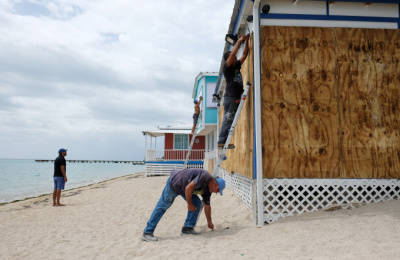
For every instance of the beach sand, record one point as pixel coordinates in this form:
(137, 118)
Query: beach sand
(106, 221)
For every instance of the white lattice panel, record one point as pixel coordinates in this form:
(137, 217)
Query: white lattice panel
(153, 169)
(240, 185)
(288, 197)
(161, 169)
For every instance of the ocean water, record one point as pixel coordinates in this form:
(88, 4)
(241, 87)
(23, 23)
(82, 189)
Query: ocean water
(20, 179)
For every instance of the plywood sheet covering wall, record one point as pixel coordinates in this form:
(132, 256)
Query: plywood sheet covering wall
(369, 112)
(299, 105)
(330, 102)
(240, 159)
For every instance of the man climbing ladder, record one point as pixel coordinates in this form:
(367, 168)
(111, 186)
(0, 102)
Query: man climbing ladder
(194, 128)
(234, 87)
(231, 130)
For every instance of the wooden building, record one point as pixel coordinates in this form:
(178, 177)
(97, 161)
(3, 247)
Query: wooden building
(320, 126)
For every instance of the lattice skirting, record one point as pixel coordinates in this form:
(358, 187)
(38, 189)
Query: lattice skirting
(240, 185)
(288, 197)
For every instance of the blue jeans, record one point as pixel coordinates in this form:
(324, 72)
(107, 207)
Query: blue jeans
(231, 104)
(166, 200)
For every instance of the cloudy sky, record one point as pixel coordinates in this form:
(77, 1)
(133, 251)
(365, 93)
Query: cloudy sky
(91, 75)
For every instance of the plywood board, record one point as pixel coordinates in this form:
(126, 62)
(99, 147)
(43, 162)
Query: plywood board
(368, 64)
(299, 103)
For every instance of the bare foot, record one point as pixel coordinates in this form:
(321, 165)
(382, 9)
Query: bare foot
(54, 204)
(59, 205)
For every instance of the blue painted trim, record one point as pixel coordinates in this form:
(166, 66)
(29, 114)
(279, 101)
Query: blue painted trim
(254, 135)
(327, 8)
(175, 162)
(330, 17)
(234, 30)
(239, 14)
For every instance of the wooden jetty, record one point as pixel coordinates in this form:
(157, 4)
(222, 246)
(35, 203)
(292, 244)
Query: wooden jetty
(97, 161)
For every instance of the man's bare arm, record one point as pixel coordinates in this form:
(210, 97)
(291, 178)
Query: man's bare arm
(63, 172)
(245, 52)
(207, 211)
(234, 51)
(188, 193)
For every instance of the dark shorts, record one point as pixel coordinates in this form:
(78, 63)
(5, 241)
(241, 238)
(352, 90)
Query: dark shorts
(195, 118)
(59, 183)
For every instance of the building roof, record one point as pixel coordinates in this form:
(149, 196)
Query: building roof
(201, 74)
(182, 128)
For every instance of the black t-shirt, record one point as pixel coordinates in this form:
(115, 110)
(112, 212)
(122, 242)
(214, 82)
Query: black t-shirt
(60, 160)
(181, 178)
(234, 81)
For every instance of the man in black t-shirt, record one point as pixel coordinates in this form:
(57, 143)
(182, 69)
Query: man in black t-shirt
(188, 183)
(60, 176)
(234, 87)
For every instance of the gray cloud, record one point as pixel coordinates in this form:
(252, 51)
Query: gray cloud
(90, 76)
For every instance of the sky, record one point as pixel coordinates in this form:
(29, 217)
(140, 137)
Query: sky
(91, 75)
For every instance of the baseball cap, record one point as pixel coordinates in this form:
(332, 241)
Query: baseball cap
(62, 150)
(221, 184)
(195, 101)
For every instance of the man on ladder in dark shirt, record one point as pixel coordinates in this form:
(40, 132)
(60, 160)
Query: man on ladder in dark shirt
(234, 88)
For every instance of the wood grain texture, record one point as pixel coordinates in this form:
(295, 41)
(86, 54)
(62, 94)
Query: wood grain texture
(299, 103)
(368, 65)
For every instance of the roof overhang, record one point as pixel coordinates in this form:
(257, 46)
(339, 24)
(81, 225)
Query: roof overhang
(183, 128)
(157, 133)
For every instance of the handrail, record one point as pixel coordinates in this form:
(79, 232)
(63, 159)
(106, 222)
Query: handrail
(173, 155)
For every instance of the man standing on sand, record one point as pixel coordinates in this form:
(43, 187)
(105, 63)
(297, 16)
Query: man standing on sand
(234, 87)
(188, 183)
(196, 113)
(60, 176)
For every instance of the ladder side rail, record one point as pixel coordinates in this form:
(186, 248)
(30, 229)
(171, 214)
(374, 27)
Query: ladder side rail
(191, 146)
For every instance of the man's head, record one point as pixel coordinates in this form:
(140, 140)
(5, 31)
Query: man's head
(195, 101)
(227, 55)
(216, 185)
(62, 152)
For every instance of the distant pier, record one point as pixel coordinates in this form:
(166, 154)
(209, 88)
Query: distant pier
(97, 161)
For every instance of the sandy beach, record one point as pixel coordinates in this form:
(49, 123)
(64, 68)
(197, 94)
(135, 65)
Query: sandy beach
(106, 220)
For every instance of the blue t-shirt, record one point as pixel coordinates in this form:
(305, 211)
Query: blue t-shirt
(181, 178)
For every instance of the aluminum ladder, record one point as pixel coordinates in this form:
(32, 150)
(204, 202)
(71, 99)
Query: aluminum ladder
(222, 156)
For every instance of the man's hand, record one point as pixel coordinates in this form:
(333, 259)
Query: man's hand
(65, 179)
(191, 207)
(243, 38)
(211, 225)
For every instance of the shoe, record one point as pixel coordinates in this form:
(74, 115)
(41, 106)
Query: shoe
(230, 146)
(149, 237)
(189, 231)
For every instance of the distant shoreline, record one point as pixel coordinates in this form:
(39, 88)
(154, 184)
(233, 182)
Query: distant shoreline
(79, 187)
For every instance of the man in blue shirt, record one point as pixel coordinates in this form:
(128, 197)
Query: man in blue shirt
(188, 183)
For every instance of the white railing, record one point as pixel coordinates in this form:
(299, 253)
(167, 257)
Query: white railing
(174, 155)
